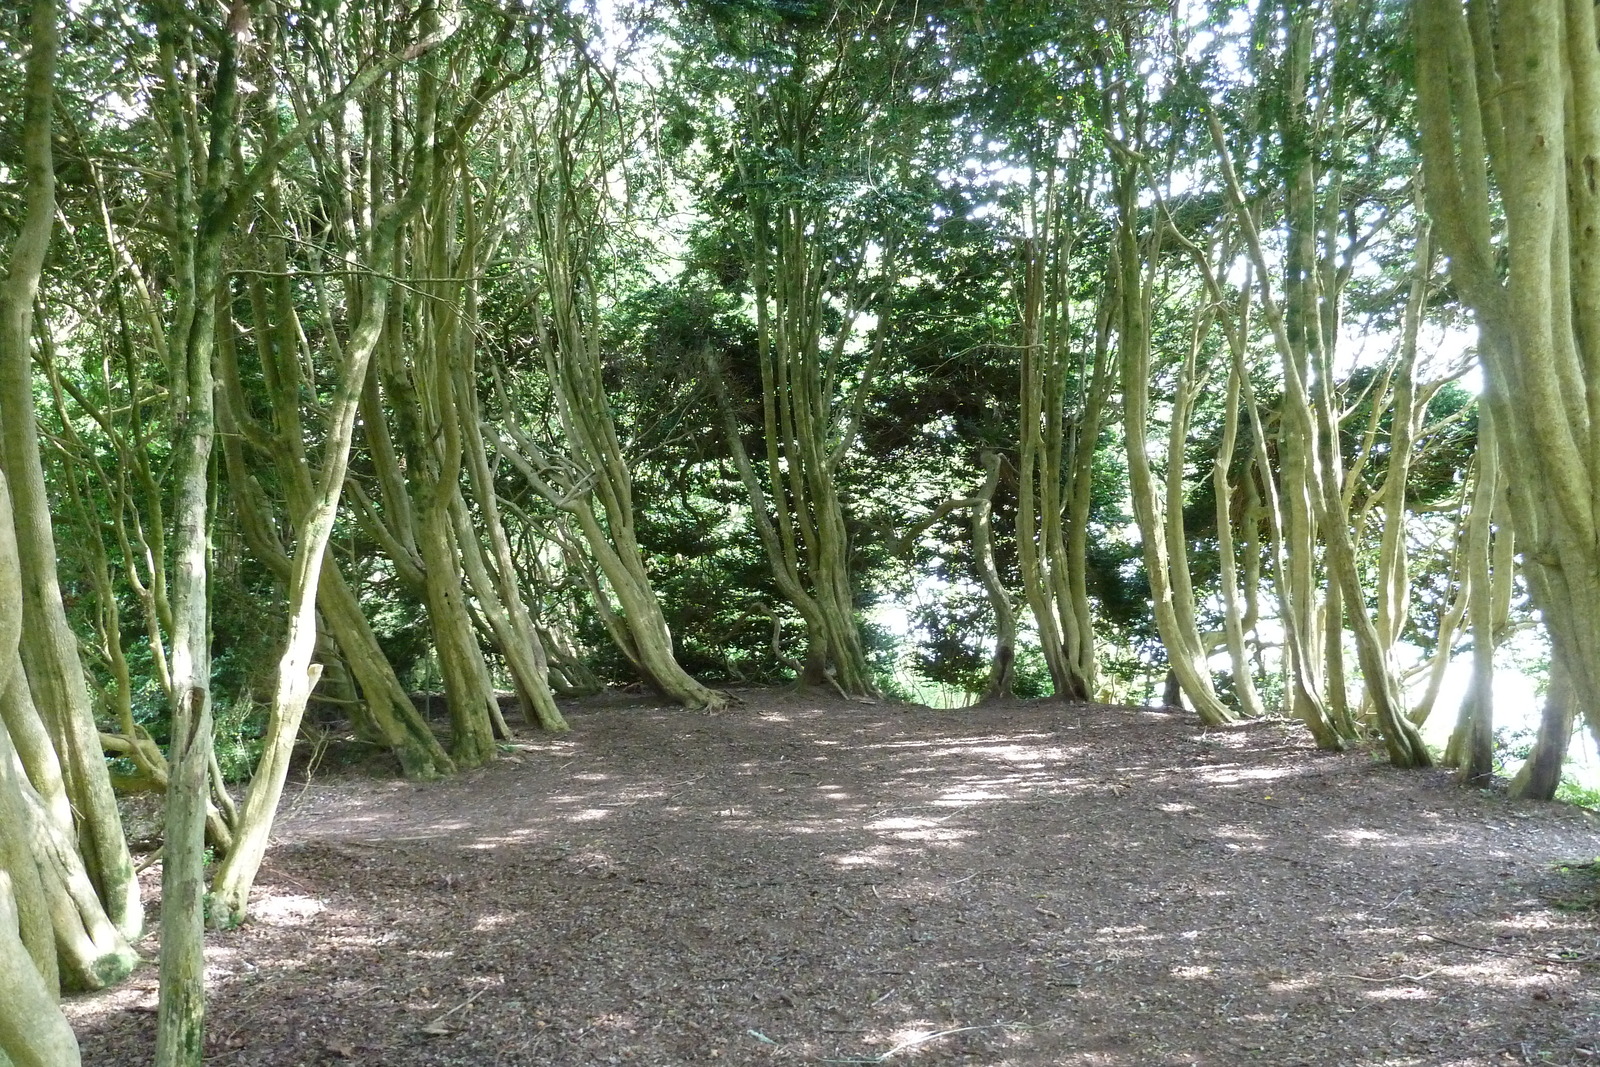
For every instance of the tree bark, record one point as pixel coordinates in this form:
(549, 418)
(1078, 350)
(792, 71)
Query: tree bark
(68, 895)
(1517, 97)
(1052, 571)
(1540, 775)
(1171, 600)
(32, 1028)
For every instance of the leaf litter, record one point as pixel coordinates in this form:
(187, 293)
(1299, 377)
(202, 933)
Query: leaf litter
(802, 879)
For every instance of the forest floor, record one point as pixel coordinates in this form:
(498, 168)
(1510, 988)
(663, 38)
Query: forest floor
(803, 880)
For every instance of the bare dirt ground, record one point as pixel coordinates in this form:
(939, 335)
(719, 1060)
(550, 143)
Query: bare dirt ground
(803, 880)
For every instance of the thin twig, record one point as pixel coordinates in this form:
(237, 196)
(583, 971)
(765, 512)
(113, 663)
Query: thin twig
(1588, 958)
(455, 1009)
(1394, 978)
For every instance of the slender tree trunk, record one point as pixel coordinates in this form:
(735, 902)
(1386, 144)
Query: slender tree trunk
(575, 150)
(203, 219)
(1471, 746)
(1051, 583)
(49, 648)
(1003, 664)
(385, 704)
(1172, 601)
(68, 895)
(296, 675)
(494, 576)
(1233, 619)
(1313, 470)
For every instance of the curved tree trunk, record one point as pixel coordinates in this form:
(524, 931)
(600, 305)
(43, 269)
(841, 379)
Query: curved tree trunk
(1471, 746)
(1540, 775)
(1172, 602)
(49, 649)
(1052, 573)
(1234, 621)
(314, 509)
(1304, 328)
(68, 896)
(820, 138)
(1003, 664)
(385, 705)
(1518, 97)
(573, 152)
(417, 529)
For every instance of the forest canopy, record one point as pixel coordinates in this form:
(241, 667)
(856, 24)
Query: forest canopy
(361, 361)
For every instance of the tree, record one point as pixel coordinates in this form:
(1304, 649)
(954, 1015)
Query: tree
(816, 157)
(49, 683)
(314, 506)
(68, 897)
(1509, 104)
(578, 142)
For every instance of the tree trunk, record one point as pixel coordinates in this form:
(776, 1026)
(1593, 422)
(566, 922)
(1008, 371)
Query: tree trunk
(1471, 746)
(1540, 775)
(495, 583)
(1304, 327)
(296, 675)
(33, 1032)
(1519, 97)
(1003, 664)
(1052, 575)
(203, 219)
(574, 160)
(1171, 599)
(68, 896)
(1234, 613)
(385, 705)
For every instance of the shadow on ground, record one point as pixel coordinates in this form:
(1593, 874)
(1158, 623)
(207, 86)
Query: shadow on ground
(817, 882)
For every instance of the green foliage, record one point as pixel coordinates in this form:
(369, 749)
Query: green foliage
(1512, 747)
(400, 622)
(914, 144)
(1572, 791)
(1584, 875)
(237, 728)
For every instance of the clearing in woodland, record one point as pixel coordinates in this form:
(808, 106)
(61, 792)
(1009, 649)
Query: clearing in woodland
(805, 880)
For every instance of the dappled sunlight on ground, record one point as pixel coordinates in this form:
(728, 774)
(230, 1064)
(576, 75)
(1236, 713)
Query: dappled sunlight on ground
(804, 882)
(288, 909)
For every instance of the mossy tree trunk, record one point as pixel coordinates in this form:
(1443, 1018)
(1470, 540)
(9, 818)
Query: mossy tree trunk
(313, 491)
(1156, 509)
(1055, 446)
(576, 148)
(201, 211)
(54, 678)
(33, 1032)
(807, 433)
(819, 123)
(1471, 745)
(1509, 103)
(212, 184)
(68, 897)
(1302, 309)
(417, 424)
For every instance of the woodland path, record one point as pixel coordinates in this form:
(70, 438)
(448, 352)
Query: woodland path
(807, 881)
